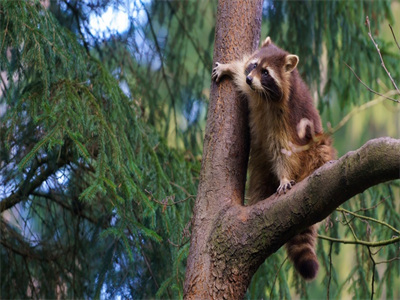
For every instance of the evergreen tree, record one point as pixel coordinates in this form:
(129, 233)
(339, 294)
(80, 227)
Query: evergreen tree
(87, 187)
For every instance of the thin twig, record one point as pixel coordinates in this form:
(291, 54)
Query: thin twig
(76, 12)
(394, 37)
(196, 47)
(360, 108)
(377, 251)
(368, 88)
(361, 242)
(165, 201)
(380, 55)
(173, 244)
(330, 270)
(182, 188)
(56, 198)
(276, 276)
(387, 261)
(30, 279)
(373, 273)
(5, 33)
(348, 224)
(144, 256)
(372, 207)
(368, 218)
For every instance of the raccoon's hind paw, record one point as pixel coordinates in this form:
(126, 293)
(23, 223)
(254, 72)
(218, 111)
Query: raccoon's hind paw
(285, 185)
(217, 72)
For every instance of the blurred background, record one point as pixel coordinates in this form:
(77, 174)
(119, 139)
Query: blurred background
(103, 107)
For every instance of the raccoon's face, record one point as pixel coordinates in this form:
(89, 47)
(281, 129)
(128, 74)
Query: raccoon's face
(268, 70)
(262, 79)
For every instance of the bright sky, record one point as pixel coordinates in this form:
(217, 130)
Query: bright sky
(116, 19)
(112, 20)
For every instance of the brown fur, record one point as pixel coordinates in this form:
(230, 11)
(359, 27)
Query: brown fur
(287, 142)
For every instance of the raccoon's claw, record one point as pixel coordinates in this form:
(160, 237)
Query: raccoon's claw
(216, 72)
(285, 185)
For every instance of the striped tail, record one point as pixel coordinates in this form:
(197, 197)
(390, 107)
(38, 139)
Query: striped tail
(301, 251)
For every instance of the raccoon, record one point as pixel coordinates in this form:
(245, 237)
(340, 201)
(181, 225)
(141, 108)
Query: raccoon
(287, 139)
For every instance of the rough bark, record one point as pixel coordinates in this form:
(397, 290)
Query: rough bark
(229, 241)
(226, 144)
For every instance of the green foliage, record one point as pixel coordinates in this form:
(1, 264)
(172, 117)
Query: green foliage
(87, 170)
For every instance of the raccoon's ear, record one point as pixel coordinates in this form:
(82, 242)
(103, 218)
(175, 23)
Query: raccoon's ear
(291, 62)
(266, 42)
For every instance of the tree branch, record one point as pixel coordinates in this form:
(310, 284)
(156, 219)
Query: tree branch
(380, 55)
(252, 233)
(28, 186)
(368, 88)
(376, 162)
(368, 218)
(57, 198)
(13, 241)
(360, 242)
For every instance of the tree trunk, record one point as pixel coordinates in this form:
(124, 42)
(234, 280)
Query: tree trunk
(229, 240)
(226, 151)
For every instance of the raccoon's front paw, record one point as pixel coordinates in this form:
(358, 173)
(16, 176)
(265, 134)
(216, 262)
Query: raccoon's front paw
(285, 185)
(217, 72)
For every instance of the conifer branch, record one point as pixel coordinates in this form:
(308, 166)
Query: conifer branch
(159, 52)
(195, 46)
(81, 213)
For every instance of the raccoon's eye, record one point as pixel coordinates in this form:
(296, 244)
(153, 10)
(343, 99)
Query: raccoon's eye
(264, 72)
(251, 67)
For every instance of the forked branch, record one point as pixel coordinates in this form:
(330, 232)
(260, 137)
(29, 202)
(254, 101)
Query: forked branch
(380, 55)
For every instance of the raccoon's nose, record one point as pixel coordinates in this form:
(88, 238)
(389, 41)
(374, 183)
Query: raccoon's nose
(249, 80)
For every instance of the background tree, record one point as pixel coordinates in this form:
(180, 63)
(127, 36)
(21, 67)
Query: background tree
(101, 133)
